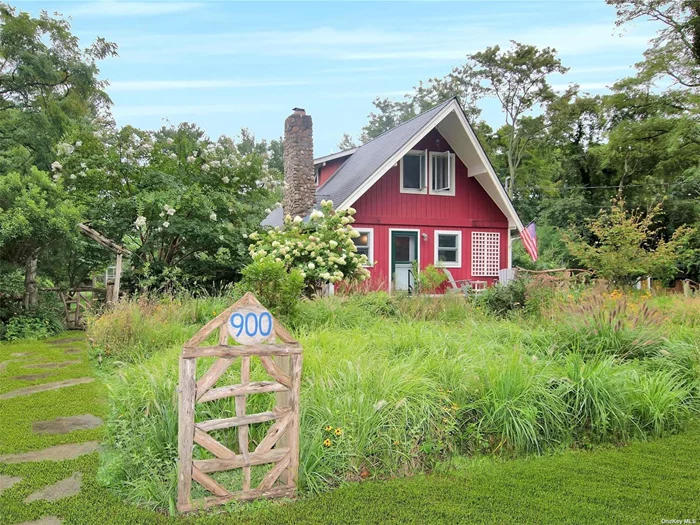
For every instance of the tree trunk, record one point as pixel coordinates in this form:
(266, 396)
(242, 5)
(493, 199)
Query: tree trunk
(31, 293)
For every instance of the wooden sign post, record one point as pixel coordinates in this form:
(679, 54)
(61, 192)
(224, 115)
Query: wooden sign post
(250, 325)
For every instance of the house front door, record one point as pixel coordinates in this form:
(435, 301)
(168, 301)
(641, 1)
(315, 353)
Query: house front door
(404, 251)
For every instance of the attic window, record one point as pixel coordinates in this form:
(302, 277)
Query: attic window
(442, 173)
(413, 172)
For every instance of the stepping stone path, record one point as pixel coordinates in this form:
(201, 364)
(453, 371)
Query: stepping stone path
(63, 489)
(57, 453)
(3, 365)
(64, 425)
(46, 386)
(73, 351)
(53, 365)
(32, 377)
(7, 482)
(65, 340)
(48, 520)
(20, 354)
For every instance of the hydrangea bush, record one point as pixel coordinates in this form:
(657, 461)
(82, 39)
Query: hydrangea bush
(322, 249)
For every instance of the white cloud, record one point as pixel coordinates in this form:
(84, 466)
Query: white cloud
(115, 8)
(164, 85)
(177, 110)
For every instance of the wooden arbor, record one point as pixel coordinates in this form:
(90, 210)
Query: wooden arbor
(281, 443)
(113, 294)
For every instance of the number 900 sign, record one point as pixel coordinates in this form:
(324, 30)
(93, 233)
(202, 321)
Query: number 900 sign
(249, 326)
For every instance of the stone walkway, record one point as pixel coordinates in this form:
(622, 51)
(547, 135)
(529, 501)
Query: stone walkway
(70, 485)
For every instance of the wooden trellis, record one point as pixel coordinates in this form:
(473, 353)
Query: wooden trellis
(282, 361)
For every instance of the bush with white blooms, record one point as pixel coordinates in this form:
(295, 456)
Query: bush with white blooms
(322, 248)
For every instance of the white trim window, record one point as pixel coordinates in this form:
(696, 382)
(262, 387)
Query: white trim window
(365, 244)
(317, 174)
(448, 248)
(414, 167)
(442, 173)
(486, 254)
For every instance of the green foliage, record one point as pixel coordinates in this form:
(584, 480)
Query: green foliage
(502, 299)
(178, 200)
(410, 381)
(322, 250)
(429, 279)
(277, 288)
(625, 248)
(36, 324)
(465, 489)
(48, 84)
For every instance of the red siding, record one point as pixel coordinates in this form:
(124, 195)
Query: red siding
(384, 207)
(329, 168)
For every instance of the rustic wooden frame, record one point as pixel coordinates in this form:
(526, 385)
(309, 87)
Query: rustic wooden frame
(282, 361)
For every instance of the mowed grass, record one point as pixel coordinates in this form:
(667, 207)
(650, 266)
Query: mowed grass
(643, 482)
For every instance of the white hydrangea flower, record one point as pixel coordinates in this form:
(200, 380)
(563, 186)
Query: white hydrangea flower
(166, 224)
(212, 216)
(56, 177)
(225, 179)
(297, 219)
(205, 167)
(78, 144)
(140, 221)
(64, 149)
(215, 163)
(173, 156)
(190, 159)
(170, 211)
(316, 214)
(169, 141)
(56, 166)
(72, 176)
(311, 266)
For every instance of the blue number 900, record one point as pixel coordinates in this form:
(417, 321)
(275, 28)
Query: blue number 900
(253, 324)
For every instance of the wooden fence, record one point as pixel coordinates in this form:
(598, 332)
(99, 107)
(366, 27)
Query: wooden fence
(280, 446)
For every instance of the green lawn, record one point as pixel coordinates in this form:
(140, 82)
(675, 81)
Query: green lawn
(640, 483)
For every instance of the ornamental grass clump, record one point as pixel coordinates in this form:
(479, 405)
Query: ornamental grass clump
(322, 249)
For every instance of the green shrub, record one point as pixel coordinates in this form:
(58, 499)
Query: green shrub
(429, 279)
(276, 288)
(37, 324)
(502, 299)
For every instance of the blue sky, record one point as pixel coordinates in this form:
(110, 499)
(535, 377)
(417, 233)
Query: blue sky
(227, 65)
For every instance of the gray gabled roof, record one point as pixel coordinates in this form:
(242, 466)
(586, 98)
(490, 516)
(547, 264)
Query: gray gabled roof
(369, 157)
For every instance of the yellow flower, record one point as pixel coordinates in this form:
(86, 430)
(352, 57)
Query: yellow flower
(338, 431)
(329, 428)
(327, 442)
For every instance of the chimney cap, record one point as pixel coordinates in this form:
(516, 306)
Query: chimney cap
(301, 111)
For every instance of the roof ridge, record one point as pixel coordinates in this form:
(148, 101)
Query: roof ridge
(412, 118)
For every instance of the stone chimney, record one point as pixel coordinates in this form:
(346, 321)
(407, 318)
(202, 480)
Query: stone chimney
(299, 180)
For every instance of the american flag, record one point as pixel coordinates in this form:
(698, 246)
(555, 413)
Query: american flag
(529, 237)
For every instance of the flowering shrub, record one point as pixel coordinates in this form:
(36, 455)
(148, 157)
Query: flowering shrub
(174, 197)
(322, 249)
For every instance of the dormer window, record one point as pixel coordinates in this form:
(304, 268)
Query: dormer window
(414, 167)
(442, 170)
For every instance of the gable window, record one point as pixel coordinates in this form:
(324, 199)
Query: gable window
(486, 254)
(448, 248)
(413, 172)
(442, 170)
(365, 244)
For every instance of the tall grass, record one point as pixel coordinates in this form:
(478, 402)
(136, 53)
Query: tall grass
(392, 384)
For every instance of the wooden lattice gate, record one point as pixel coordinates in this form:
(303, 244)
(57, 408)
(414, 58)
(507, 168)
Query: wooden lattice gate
(249, 324)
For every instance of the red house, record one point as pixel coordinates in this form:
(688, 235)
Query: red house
(424, 191)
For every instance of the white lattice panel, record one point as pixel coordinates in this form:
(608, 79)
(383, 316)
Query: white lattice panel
(486, 254)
